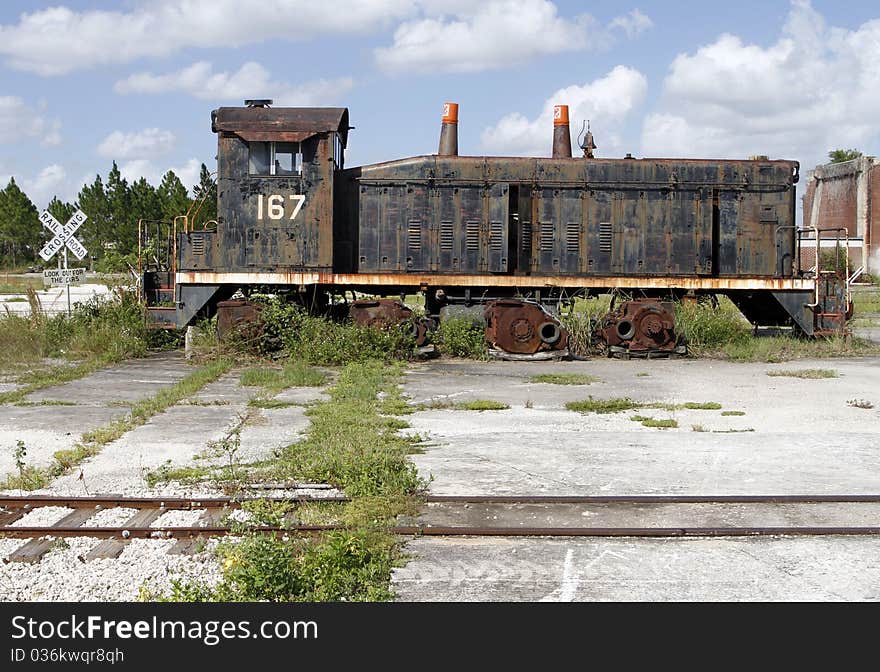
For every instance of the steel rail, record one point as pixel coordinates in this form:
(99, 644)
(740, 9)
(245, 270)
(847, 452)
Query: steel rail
(109, 501)
(653, 499)
(437, 531)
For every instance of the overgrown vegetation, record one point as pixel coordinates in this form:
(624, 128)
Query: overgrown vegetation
(352, 443)
(98, 332)
(322, 341)
(462, 336)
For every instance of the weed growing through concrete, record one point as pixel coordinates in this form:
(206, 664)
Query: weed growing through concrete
(481, 405)
(28, 476)
(647, 421)
(603, 406)
(733, 413)
(564, 379)
(688, 406)
(292, 374)
(698, 428)
(811, 374)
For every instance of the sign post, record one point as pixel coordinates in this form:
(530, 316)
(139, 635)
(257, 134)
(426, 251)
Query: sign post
(63, 239)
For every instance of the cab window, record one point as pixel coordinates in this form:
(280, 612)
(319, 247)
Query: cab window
(275, 158)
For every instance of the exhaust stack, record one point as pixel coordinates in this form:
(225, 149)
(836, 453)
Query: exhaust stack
(561, 134)
(449, 131)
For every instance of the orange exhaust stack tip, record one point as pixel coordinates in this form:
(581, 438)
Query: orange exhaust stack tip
(560, 115)
(450, 113)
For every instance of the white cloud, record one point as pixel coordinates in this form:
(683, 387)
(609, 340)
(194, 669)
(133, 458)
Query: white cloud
(500, 33)
(607, 102)
(633, 24)
(40, 188)
(147, 144)
(138, 168)
(815, 89)
(58, 40)
(19, 120)
(251, 80)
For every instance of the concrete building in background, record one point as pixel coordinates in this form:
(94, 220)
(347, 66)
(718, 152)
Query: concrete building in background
(844, 195)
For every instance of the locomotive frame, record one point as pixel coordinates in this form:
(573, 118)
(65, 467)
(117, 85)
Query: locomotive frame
(476, 229)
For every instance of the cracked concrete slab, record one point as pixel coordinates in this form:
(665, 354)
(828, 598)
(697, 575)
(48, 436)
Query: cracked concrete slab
(794, 436)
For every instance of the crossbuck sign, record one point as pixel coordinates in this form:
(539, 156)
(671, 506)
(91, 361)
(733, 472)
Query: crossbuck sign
(63, 235)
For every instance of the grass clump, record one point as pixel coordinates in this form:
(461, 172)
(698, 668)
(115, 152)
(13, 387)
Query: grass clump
(603, 406)
(647, 421)
(481, 405)
(581, 322)
(689, 406)
(463, 336)
(564, 379)
(292, 374)
(706, 327)
(733, 413)
(811, 374)
(669, 423)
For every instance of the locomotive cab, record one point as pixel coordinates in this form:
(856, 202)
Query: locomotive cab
(275, 177)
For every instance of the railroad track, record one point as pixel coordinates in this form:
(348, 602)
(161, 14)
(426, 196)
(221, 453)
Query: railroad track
(512, 516)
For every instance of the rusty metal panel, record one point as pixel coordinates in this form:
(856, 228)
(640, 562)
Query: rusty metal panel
(600, 238)
(197, 250)
(470, 223)
(418, 220)
(497, 228)
(281, 119)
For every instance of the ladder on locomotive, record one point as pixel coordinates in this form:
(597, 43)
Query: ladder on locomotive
(832, 304)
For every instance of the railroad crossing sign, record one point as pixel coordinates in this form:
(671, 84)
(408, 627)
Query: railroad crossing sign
(63, 235)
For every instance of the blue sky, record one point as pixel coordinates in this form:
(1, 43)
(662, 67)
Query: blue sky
(84, 83)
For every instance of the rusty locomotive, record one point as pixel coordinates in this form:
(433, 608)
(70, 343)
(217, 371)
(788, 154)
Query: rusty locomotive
(513, 235)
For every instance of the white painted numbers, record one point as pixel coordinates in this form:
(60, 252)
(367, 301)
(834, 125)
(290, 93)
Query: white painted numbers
(273, 205)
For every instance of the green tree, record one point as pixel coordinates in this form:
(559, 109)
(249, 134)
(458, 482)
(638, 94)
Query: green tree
(841, 155)
(145, 202)
(19, 225)
(205, 197)
(173, 196)
(92, 200)
(123, 222)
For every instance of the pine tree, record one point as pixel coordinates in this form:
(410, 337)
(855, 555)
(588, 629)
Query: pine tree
(92, 200)
(173, 197)
(123, 223)
(205, 197)
(19, 225)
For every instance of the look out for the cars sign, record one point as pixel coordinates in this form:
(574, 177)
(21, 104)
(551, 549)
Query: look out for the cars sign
(63, 276)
